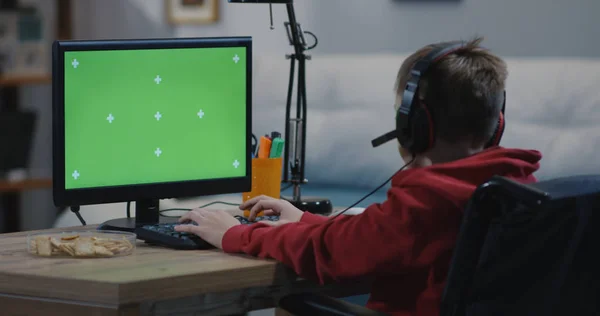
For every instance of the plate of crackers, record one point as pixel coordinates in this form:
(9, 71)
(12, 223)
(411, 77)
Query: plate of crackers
(83, 244)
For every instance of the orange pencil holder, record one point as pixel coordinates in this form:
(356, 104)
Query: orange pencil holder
(266, 180)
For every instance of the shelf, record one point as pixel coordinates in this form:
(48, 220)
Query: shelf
(15, 80)
(31, 184)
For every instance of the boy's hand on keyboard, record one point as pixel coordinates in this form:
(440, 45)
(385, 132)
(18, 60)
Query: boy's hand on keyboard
(210, 225)
(272, 207)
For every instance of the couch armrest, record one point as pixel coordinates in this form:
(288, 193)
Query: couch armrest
(318, 304)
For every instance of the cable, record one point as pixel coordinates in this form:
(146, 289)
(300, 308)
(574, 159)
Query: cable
(188, 209)
(75, 209)
(316, 40)
(287, 187)
(254, 147)
(376, 189)
(271, 15)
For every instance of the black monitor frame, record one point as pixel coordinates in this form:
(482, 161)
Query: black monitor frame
(143, 193)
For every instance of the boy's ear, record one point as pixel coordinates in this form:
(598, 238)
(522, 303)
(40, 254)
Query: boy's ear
(404, 153)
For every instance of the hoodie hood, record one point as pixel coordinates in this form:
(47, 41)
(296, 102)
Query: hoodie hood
(459, 178)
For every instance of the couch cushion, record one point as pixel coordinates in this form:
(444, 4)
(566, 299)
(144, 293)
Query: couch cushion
(552, 106)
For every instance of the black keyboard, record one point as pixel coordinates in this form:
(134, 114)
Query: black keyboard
(164, 234)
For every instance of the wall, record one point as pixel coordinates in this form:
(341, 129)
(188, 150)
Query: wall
(515, 28)
(530, 28)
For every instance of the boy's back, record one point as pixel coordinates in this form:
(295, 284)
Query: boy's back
(449, 123)
(405, 243)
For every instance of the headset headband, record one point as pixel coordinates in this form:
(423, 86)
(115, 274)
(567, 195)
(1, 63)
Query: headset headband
(415, 128)
(417, 71)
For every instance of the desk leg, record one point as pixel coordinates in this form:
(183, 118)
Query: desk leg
(11, 207)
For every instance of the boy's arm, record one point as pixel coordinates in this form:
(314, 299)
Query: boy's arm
(402, 232)
(310, 218)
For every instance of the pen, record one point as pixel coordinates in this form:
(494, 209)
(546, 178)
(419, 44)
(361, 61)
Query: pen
(264, 148)
(276, 148)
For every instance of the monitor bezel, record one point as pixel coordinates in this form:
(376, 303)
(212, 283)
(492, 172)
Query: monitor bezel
(123, 193)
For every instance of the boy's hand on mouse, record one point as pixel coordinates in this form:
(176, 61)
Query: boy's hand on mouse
(285, 210)
(211, 225)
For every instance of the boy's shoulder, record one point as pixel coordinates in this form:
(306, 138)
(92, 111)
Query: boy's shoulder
(458, 179)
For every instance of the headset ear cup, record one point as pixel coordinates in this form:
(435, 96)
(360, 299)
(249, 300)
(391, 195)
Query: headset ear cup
(422, 130)
(497, 136)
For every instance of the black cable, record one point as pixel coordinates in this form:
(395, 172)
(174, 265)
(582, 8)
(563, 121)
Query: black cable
(287, 187)
(376, 189)
(271, 15)
(128, 209)
(75, 209)
(188, 209)
(255, 145)
(316, 40)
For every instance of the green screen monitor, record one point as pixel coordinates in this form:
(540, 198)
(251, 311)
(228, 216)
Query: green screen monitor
(144, 120)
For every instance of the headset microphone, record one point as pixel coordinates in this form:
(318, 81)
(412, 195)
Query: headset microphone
(384, 138)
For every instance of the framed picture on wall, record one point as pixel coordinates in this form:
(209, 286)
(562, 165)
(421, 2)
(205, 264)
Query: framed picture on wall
(192, 11)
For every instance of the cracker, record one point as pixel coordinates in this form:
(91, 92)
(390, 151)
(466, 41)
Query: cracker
(68, 248)
(79, 246)
(84, 248)
(55, 243)
(33, 246)
(44, 248)
(101, 251)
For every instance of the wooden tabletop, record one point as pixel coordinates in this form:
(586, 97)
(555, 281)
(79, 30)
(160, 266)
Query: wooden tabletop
(150, 273)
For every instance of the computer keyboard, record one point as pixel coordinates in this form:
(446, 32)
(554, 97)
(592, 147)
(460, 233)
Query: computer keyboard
(245, 221)
(164, 234)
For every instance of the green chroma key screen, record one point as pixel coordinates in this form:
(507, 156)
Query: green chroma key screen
(152, 116)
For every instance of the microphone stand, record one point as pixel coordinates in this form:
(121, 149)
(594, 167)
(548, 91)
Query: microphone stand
(295, 127)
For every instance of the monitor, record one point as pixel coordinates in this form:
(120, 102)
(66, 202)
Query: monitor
(148, 119)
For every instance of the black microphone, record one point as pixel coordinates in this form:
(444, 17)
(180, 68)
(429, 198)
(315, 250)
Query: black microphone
(384, 138)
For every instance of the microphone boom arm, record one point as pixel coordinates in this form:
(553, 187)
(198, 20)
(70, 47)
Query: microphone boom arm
(297, 137)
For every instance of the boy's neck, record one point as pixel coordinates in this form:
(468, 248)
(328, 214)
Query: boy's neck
(444, 152)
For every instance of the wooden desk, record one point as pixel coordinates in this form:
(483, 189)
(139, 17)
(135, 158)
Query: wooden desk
(149, 282)
(11, 203)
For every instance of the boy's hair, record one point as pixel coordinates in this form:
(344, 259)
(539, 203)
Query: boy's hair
(461, 91)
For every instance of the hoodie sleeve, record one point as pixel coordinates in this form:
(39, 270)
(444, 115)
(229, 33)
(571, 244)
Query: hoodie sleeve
(398, 234)
(309, 218)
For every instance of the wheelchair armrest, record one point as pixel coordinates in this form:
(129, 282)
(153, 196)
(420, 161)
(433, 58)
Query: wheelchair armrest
(318, 304)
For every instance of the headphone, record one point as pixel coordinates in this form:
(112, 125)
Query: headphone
(415, 129)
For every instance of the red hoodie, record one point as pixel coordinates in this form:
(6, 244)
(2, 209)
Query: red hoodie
(404, 243)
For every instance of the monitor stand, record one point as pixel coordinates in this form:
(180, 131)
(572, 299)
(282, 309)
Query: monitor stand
(146, 213)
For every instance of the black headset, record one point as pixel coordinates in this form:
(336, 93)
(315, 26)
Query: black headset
(415, 129)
